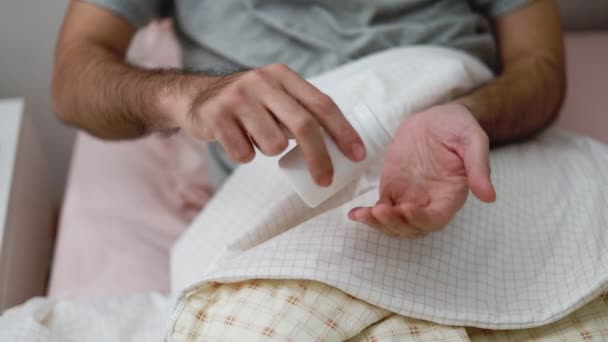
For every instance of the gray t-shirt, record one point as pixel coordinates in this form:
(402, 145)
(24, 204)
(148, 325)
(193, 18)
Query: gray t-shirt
(312, 36)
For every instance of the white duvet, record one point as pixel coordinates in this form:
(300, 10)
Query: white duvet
(535, 255)
(135, 318)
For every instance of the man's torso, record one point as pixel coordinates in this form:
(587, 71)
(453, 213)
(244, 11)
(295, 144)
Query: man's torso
(313, 36)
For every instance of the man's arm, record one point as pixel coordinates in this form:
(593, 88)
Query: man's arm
(528, 93)
(440, 154)
(94, 89)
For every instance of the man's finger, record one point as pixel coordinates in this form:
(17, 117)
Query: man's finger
(391, 216)
(423, 218)
(234, 141)
(306, 131)
(264, 130)
(383, 213)
(364, 215)
(476, 157)
(360, 214)
(327, 113)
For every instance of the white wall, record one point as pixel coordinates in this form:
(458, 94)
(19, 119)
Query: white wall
(28, 29)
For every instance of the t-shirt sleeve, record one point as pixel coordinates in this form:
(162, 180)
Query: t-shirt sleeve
(497, 8)
(137, 12)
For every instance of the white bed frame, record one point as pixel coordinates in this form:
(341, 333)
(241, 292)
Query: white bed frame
(27, 216)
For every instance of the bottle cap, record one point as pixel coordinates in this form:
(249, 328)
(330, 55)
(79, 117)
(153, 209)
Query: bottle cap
(369, 124)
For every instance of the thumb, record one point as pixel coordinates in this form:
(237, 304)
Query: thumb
(476, 157)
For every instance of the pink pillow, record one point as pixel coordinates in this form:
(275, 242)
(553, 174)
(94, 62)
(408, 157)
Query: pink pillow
(126, 202)
(586, 107)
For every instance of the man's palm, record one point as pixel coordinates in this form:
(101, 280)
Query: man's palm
(435, 158)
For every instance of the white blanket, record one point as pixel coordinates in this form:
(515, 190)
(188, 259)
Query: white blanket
(535, 255)
(134, 318)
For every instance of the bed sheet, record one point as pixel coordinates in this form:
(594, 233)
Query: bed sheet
(301, 310)
(126, 204)
(141, 318)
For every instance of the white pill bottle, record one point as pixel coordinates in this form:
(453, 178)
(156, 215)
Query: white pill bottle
(375, 138)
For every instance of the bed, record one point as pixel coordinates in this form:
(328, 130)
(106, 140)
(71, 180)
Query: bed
(116, 232)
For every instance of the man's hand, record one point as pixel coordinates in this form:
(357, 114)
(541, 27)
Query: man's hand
(94, 89)
(435, 158)
(256, 107)
(439, 154)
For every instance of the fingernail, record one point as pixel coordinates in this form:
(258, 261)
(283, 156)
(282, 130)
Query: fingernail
(358, 151)
(325, 180)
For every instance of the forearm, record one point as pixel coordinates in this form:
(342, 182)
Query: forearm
(95, 90)
(521, 102)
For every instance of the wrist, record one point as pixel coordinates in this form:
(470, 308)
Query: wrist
(457, 107)
(472, 105)
(176, 97)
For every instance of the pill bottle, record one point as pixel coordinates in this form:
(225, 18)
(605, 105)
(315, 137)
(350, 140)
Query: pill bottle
(375, 138)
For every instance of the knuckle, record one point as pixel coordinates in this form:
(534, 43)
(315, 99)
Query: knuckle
(242, 155)
(235, 94)
(203, 126)
(204, 134)
(323, 104)
(214, 119)
(254, 77)
(213, 113)
(219, 135)
(277, 68)
(304, 127)
(276, 146)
